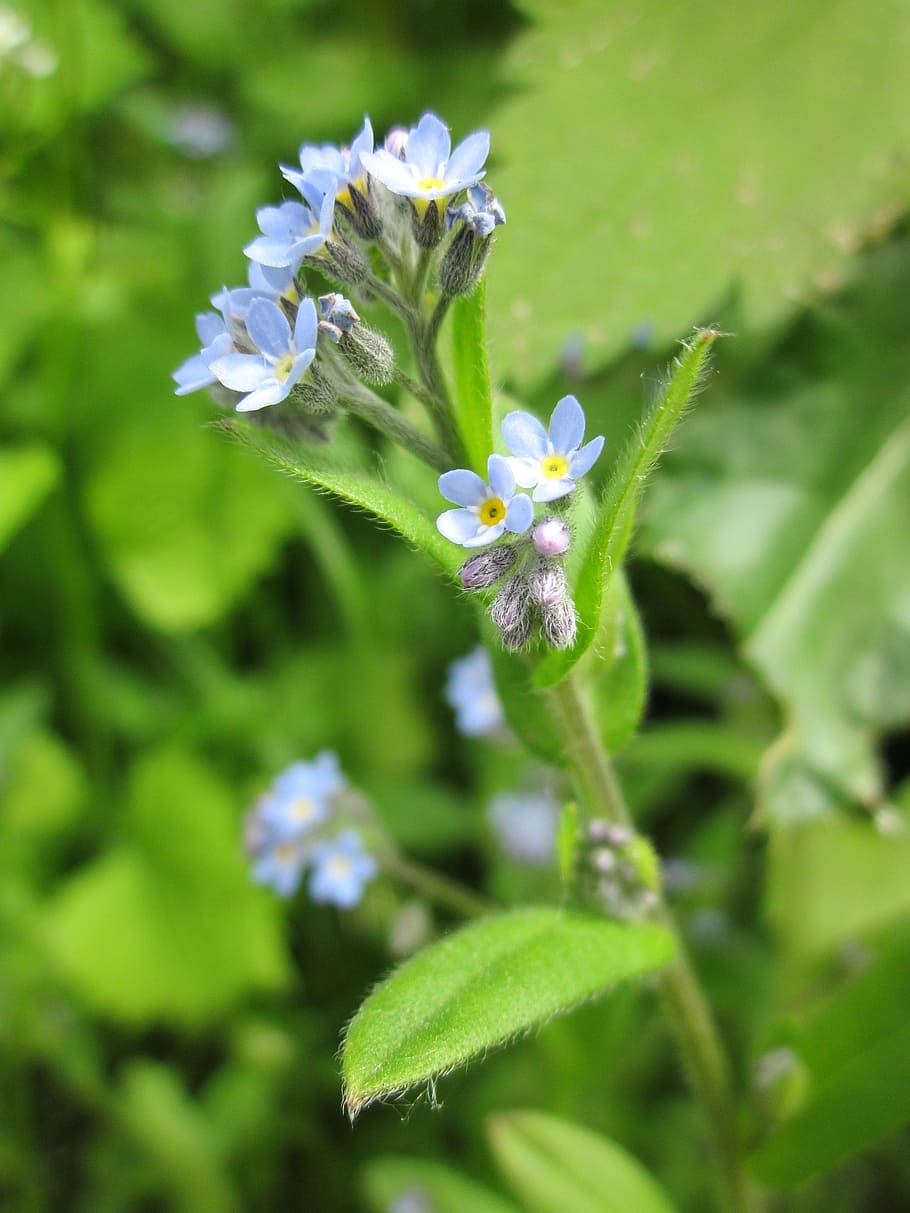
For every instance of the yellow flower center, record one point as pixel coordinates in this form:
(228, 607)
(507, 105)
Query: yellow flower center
(283, 367)
(286, 852)
(554, 467)
(339, 865)
(430, 183)
(492, 511)
(302, 810)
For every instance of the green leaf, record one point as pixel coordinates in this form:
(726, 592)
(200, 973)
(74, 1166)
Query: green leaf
(472, 377)
(388, 1181)
(167, 925)
(554, 1165)
(788, 502)
(481, 986)
(27, 475)
(620, 671)
(856, 1049)
(662, 164)
(527, 712)
(321, 468)
(606, 546)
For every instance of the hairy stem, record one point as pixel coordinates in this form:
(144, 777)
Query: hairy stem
(435, 887)
(683, 999)
(382, 416)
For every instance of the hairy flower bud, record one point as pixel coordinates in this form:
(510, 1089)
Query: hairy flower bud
(560, 624)
(428, 226)
(518, 635)
(485, 568)
(345, 261)
(463, 262)
(547, 584)
(369, 353)
(551, 537)
(315, 392)
(511, 604)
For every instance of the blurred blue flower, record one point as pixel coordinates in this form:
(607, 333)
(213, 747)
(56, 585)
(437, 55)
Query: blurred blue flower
(344, 165)
(279, 865)
(488, 510)
(300, 797)
(214, 332)
(471, 692)
(341, 869)
(525, 825)
(283, 357)
(293, 230)
(550, 463)
(428, 168)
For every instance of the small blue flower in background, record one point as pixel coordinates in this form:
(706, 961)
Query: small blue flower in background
(471, 692)
(550, 463)
(482, 211)
(283, 358)
(488, 510)
(280, 865)
(293, 230)
(525, 825)
(343, 164)
(214, 333)
(427, 168)
(341, 869)
(300, 796)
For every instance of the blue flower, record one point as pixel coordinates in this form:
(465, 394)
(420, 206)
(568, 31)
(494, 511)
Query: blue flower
(525, 825)
(428, 168)
(293, 230)
(214, 333)
(550, 463)
(318, 164)
(278, 864)
(283, 357)
(338, 315)
(488, 509)
(300, 797)
(482, 211)
(471, 692)
(265, 282)
(341, 868)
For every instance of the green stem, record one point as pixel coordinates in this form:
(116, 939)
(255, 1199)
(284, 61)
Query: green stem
(437, 316)
(684, 1001)
(381, 415)
(436, 394)
(435, 887)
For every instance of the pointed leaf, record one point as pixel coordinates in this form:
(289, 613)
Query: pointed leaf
(481, 986)
(606, 547)
(619, 691)
(472, 378)
(554, 1165)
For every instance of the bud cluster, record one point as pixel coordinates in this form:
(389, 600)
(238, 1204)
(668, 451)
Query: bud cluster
(618, 870)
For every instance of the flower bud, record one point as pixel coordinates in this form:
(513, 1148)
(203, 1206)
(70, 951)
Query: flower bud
(369, 353)
(551, 537)
(485, 568)
(560, 624)
(510, 605)
(518, 635)
(361, 212)
(429, 227)
(315, 391)
(463, 262)
(345, 261)
(547, 584)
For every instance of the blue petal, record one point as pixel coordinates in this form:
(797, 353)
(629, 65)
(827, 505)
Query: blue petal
(468, 158)
(524, 435)
(240, 372)
(526, 470)
(458, 526)
(298, 370)
(275, 251)
(550, 490)
(485, 534)
(520, 513)
(305, 326)
(463, 487)
(268, 328)
(208, 326)
(192, 375)
(585, 458)
(392, 172)
(502, 481)
(429, 146)
(270, 393)
(567, 425)
(362, 143)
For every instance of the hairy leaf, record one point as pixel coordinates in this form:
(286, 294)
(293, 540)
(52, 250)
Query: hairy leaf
(472, 378)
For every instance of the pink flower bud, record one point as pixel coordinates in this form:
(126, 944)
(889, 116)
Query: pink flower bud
(551, 537)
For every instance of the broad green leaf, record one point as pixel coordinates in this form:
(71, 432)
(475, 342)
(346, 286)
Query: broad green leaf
(388, 1183)
(472, 378)
(318, 467)
(526, 709)
(662, 164)
(856, 1050)
(609, 538)
(481, 986)
(554, 1165)
(620, 673)
(27, 475)
(789, 504)
(167, 925)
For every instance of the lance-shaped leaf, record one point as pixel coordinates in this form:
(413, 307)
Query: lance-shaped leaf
(554, 1165)
(615, 520)
(472, 377)
(323, 470)
(483, 985)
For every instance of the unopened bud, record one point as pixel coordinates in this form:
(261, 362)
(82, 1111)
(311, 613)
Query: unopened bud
(547, 584)
(518, 635)
(551, 537)
(463, 262)
(315, 392)
(360, 211)
(396, 141)
(485, 568)
(560, 624)
(345, 261)
(429, 227)
(369, 353)
(510, 605)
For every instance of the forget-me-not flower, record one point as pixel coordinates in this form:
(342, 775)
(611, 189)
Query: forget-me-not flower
(471, 692)
(550, 462)
(428, 168)
(341, 869)
(283, 357)
(300, 796)
(214, 332)
(293, 230)
(482, 211)
(525, 825)
(266, 282)
(488, 509)
(279, 865)
(338, 315)
(343, 164)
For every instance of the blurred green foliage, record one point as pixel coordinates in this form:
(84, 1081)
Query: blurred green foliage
(177, 621)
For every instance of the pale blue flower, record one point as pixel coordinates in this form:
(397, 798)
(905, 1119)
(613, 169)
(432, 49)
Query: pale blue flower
(269, 376)
(213, 331)
(482, 211)
(338, 315)
(550, 463)
(525, 825)
(300, 797)
(427, 168)
(293, 230)
(265, 282)
(488, 509)
(341, 869)
(318, 164)
(471, 692)
(279, 865)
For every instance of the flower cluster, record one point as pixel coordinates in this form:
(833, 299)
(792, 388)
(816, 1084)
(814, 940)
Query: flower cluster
(374, 220)
(548, 462)
(295, 825)
(618, 870)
